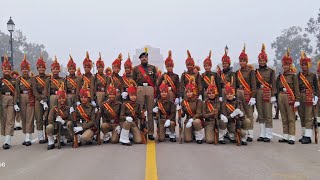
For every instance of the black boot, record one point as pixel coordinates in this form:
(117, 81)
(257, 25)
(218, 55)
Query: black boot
(306, 140)
(150, 137)
(28, 143)
(283, 141)
(106, 142)
(266, 140)
(42, 141)
(167, 136)
(249, 139)
(291, 142)
(222, 142)
(233, 140)
(173, 140)
(127, 144)
(300, 140)
(260, 139)
(52, 146)
(244, 143)
(199, 141)
(24, 143)
(6, 146)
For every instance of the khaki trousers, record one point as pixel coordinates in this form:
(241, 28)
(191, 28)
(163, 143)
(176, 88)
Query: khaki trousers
(305, 112)
(264, 110)
(101, 96)
(108, 127)
(133, 128)
(39, 112)
(162, 129)
(287, 115)
(148, 93)
(248, 110)
(27, 114)
(8, 116)
(188, 132)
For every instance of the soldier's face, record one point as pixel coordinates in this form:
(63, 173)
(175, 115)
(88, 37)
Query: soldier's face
(127, 69)
(133, 97)
(100, 69)
(25, 71)
(189, 94)
(87, 69)
(207, 67)
(243, 63)
(169, 68)
(304, 67)
(62, 101)
(144, 60)
(112, 97)
(84, 99)
(229, 96)
(115, 69)
(195, 70)
(55, 71)
(262, 62)
(163, 94)
(72, 70)
(211, 95)
(6, 71)
(190, 67)
(286, 67)
(225, 65)
(41, 69)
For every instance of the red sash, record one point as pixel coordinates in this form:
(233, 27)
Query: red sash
(101, 79)
(55, 82)
(262, 81)
(25, 83)
(10, 86)
(128, 105)
(285, 84)
(118, 83)
(59, 111)
(247, 89)
(111, 111)
(85, 78)
(208, 81)
(163, 111)
(230, 107)
(41, 82)
(169, 80)
(186, 103)
(306, 82)
(188, 76)
(126, 80)
(83, 114)
(266, 87)
(145, 76)
(72, 82)
(210, 107)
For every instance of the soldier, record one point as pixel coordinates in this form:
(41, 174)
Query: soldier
(101, 83)
(25, 99)
(17, 124)
(145, 75)
(85, 116)
(88, 78)
(78, 73)
(41, 99)
(110, 113)
(288, 99)
(172, 81)
(126, 77)
(108, 71)
(308, 85)
(59, 114)
(165, 111)
(266, 90)
(212, 111)
(7, 95)
(233, 113)
(71, 82)
(185, 78)
(116, 79)
(130, 116)
(227, 75)
(206, 79)
(246, 90)
(191, 107)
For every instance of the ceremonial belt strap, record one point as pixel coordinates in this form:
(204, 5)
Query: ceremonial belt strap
(230, 107)
(169, 80)
(186, 103)
(25, 83)
(210, 106)
(85, 78)
(55, 82)
(224, 80)
(286, 85)
(262, 81)
(128, 105)
(243, 82)
(163, 111)
(306, 82)
(118, 83)
(126, 80)
(59, 111)
(41, 82)
(208, 81)
(188, 76)
(83, 114)
(72, 82)
(111, 111)
(101, 79)
(10, 86)
(145, 76)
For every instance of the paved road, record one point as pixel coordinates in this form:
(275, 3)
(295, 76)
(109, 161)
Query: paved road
(263, 161)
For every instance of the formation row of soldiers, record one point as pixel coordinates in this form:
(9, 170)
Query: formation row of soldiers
(216, 105)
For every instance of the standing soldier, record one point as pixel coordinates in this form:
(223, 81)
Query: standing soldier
(308, 85)
(59, 114)
(145, 75)
(101, 83)
(7, 94)
(115, 78)
(246, 89)
(266, 91)
(227, 75)
(206, 79)
(24, 98)
(88, 78)
(186, 76)
(130, 116)
(288, 99)
(172, 81)
(41, 98)
(165, 111)
(191, 107)
(126, 77)
(17, 124)
(71, 82)
(108, 71)
(110, 113)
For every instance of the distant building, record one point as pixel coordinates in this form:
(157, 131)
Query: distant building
(155, 58)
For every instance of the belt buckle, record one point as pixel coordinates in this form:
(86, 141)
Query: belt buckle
(169, 88)
(72, 91)
(112, 121)
(25, 92)
(261, 86)
(7, 93)
(102, 89)
(145, 84)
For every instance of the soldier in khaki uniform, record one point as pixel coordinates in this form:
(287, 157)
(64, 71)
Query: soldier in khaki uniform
(130, 116)
(71, 82)
(308, 85)
(116, 78)
(172, 81)
(7, 94)
(145, 75)
(288, 99)
(59, 114)
(227, 75)
(233, 113)
(126, 77)
(246, 90)
(165, 112)
(24, 101)
(108, 71)
(17, 124)
(206, 79)
(110, 113)
(266, 91)
(211, 112)
(191, 107)
(85, 117)
(41, 99)
(186, 76)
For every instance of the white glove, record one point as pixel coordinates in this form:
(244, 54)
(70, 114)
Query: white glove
(93, 103)
(45, 106)
(239, 112)
(189, 123)
(145, 113)
(71, 110)
(124, 95)
(315, 100)
(77, 129)
(118, 129)
(78, 103)
(220, 99)
(296, 104)
(155, 100)
(284, 89)
(16, 108)
(180, 99)
(167, 123)
(200, 97)
(176, 101)
(275, 105)
(273, 99)
(95, 110)
(252, 101)
(178, 107)
(224, 118)
(234, 114)
(129, 119)
(59, 119)
(155, 109)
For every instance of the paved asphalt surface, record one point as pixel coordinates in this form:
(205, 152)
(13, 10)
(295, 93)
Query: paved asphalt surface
(258, 160)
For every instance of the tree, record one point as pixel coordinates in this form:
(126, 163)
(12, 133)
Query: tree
(295, 39)
(314, 29)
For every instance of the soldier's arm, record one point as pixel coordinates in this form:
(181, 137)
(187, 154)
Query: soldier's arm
(92, 121)
(16, 96)
(218, 83)
(77, 98)
(173, 108)
(205, 112)
(134, 74)
(139, 113)
(273, 83)
(93, 87)
(296, 87)
(253, 81)
(199, 84)
(158, 85)
(123, 113)
(181, 88)
(278, 85)
(52, 116)
(233, 76)
(198, 110)
(177, 84)
(34, 89)
(316, 87)
(155, 77)
(46, 91)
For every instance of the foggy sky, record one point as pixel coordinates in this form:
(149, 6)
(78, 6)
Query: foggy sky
(75, 26)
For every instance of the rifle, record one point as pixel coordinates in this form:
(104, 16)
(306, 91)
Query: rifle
(157, 123)
(238, 130)
(46, 114)
(75, 136)
(216, 131)
(315, 124)
(143, 128)
(180, 124)
(98, 126)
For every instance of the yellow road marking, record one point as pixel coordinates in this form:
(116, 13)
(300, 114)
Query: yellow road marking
(151, 162)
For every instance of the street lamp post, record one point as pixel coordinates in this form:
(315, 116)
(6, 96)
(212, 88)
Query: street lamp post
(11, 26)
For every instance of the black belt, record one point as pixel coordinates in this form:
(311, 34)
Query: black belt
(7, 93)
